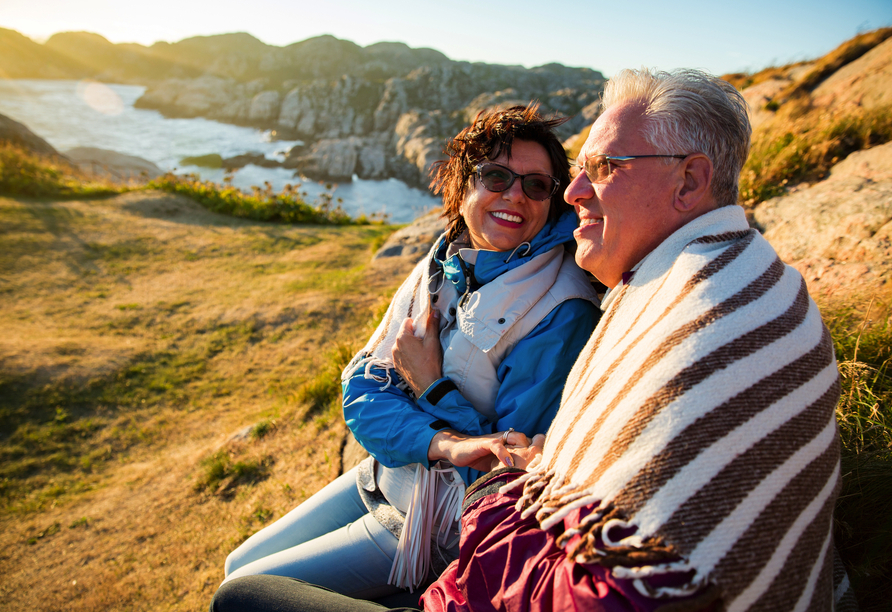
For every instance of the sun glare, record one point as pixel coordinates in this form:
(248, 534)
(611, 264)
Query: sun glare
(100, 97)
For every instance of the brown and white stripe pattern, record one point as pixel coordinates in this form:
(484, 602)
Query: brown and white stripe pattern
(701, 412)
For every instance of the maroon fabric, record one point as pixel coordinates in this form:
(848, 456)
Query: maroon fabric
(509, 564)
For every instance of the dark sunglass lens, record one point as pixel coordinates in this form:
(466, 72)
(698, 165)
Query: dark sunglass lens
(538, 186)
(496, 178)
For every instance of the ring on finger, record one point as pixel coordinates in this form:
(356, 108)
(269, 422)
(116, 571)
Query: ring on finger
(505, 436)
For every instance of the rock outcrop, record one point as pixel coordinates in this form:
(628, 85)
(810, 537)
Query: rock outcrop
(111, 164)
(837, 232)
(18, 134)
(414, 240)
(866, 82)
(386, 115)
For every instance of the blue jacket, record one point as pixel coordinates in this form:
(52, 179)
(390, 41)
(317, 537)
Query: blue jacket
(397, 430)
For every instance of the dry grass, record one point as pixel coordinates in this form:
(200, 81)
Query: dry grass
(803, 143)
(25, 173)
(139, 334)
(845, 53)
(742, 80)
(862, 333)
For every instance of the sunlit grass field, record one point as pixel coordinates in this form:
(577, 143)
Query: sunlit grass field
(168, 385)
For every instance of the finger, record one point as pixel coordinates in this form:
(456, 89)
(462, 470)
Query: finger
(405, 334)
(538, 441)
(406, 328)
(517, 438)
(432, 324)
(502, 454)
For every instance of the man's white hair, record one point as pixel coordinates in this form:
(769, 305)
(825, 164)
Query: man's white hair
(690, 111)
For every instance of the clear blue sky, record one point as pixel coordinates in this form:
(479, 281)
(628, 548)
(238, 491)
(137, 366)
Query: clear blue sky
(715, 35)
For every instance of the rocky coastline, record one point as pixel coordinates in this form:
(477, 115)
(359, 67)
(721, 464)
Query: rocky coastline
(376, 112)
(356, 126)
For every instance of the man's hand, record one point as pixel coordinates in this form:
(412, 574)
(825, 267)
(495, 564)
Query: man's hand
(419, 360)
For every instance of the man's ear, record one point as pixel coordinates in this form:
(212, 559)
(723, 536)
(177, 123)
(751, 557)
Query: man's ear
(696, 185)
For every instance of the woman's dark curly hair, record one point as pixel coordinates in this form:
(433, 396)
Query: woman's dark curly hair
(491, 134)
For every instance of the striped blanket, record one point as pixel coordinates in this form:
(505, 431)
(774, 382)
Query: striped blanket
(699, 421)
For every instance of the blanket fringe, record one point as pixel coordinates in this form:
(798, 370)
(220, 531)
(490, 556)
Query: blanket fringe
(630, 557)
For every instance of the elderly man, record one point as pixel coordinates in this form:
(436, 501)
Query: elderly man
(694, 462)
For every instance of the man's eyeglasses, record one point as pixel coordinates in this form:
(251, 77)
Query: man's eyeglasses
(497, 178)
(598, 167)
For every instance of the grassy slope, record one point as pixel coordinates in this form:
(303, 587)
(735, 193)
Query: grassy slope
(140, 332)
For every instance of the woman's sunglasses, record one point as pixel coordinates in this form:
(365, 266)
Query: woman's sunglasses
(497, 178)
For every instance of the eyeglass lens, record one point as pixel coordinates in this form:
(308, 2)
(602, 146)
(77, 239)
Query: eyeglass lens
(597, 168)
(498, 178)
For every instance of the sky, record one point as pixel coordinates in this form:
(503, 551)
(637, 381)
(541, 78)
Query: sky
(714, 35)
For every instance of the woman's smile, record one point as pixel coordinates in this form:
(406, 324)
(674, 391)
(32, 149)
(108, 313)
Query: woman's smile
(510, 219)
(501, 221)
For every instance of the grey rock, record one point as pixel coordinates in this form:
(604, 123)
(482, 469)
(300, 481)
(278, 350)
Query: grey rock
(330, 159)
(416, 239)
(372, 161)
(111, 164)
(352, 453)
(839, 229)
(18, 134)
(264, 108)
(402, 103)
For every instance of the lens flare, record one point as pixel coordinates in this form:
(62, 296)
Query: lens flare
(100, 97)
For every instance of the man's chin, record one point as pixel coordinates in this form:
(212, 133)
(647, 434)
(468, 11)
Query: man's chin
(587, 258)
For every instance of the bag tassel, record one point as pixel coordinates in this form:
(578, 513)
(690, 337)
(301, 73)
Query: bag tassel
(436, 498)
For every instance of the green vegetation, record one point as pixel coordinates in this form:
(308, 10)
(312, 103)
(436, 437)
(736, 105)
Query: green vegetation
(805, 147)
(263, 205)
(221, 474)
(863, 535)
(23, 173)
(211, 160)
(262, 428)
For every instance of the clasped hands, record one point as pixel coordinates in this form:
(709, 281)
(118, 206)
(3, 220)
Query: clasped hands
(419, 362)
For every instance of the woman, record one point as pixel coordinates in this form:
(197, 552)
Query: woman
(470, 358)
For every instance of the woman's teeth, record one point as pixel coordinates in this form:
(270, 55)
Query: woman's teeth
(507, 217)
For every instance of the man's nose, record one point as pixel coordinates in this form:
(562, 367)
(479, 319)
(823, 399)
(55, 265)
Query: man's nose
(579, 190)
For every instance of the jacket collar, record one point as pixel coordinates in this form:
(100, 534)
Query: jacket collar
(483, 266)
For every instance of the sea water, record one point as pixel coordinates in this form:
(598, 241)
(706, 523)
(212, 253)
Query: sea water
(70, 114)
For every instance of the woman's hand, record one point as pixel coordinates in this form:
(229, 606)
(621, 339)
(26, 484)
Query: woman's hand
(523, 456)
(485, 453)
(419, 360)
